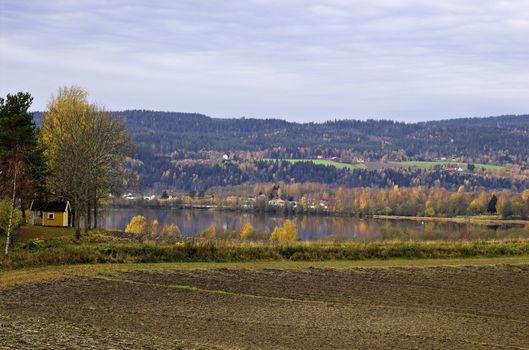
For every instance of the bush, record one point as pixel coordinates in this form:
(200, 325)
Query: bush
(34, 244)
(138, 225)
(170, 230)
(5, 212)
(288, 232)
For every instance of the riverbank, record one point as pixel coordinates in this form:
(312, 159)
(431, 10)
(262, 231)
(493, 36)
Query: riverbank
(100, 248)
(476, 220)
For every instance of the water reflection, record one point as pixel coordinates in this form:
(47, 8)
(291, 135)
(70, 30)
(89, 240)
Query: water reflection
(191, 222)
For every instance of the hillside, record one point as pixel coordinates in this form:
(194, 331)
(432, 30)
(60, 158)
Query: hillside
(184, 150)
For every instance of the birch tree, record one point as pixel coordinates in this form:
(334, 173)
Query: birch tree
(85, 147)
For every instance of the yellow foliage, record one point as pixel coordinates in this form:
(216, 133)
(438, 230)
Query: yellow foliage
(287, 232)
(212, 231)
(138, 225)
(153, 227)
(247, 231)
(171, 230)
(277, 234)
(5, 213)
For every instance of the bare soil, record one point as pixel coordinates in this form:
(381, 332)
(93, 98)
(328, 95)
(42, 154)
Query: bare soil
(483, 307)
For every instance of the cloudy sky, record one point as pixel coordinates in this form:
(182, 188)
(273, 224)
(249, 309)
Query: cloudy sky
(302, 60)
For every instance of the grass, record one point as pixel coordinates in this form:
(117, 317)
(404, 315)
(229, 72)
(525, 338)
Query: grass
(42, 246)
(30, 232)
(321, 162)
(430, 165)
(66, 252)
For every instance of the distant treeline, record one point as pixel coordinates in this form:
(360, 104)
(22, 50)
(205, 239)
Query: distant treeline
(415, 201)
(202, 176)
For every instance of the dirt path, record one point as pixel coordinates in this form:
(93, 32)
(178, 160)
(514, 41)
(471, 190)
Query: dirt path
(413, 308)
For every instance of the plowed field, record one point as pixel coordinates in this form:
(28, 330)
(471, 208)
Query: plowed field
(483, 307)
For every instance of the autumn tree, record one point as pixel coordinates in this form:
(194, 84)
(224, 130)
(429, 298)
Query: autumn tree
(85, 148)
(153, 227)
(138, 225)
(170, 230)
(247, 231)
(287, 232)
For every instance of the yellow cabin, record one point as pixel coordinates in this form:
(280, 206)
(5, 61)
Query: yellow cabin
(57, 214)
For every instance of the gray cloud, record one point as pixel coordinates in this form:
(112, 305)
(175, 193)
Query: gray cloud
(300, 60)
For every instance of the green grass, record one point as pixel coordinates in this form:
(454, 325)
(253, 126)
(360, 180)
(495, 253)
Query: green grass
(321, 162)
(430, 165)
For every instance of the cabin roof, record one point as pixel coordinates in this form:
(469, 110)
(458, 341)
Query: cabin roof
(56, 206)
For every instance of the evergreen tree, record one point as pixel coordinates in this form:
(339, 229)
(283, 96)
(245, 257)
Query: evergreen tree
(491, 207)
(19, 150)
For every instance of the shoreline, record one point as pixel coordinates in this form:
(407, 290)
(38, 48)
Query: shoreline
(479, 220)
(458, 219)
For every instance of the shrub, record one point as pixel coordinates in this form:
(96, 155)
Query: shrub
(288, 232)
(170, 230)
(138, 225)
(247, 231)
(34, 244)
(153, 227)
(5, 212)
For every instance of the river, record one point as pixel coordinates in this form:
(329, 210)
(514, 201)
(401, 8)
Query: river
(193, 221)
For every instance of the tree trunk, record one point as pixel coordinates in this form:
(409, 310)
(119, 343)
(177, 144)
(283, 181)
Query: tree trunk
(8, 233)
(88, 222)
(95, 212)
(77, 224)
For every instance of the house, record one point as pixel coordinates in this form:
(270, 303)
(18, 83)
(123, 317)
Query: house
(57, 214)
(277, 202)
(334, 159)
(358, 160)
(325, 202)
(129, 196)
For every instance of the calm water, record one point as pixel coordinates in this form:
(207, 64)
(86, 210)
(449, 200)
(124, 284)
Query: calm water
(191, 222)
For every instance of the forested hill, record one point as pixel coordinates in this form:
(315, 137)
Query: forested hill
(184, 150)
(497, 140)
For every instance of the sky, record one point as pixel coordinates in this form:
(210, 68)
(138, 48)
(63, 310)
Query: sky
(300, 60)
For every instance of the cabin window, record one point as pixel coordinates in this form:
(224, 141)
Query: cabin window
(51, 216)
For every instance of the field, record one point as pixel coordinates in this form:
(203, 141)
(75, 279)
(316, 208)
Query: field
(383, 165)
(322, 162)
(268, 306)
